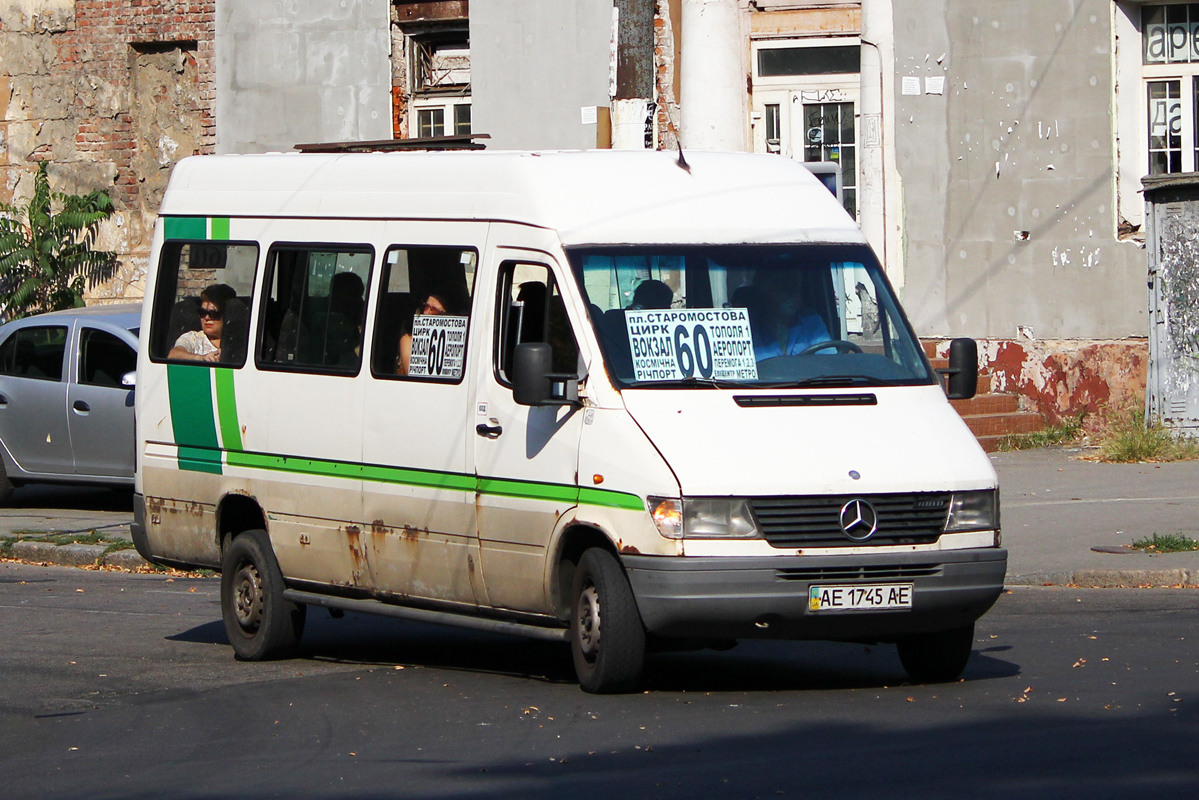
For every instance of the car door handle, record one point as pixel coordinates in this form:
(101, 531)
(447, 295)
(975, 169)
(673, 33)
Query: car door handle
(3, 400)
(490, 431)
(81, 407)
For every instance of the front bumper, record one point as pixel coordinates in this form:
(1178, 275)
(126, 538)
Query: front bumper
(741, 598)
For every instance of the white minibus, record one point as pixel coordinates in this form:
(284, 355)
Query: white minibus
(614, 399)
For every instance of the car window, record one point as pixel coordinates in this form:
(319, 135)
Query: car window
(316, 302)
(104, 358)
(34, 352)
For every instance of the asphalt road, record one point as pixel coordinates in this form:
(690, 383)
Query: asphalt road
(121, 685)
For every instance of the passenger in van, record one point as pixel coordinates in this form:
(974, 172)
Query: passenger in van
(343, 336)
(205, 344)
(652, 293)
(780, 323)
(437, 303)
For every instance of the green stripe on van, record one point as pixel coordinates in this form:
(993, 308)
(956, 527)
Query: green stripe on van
(226, 404)
(185, 227)
(430, 479)
(189, 389)
(219, 228)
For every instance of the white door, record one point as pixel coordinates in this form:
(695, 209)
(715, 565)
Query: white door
(526, 458)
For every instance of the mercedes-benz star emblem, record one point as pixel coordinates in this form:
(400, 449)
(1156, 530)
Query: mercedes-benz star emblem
(859, 520)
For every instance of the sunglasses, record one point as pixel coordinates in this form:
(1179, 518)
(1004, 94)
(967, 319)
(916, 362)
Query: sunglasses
(211, 313)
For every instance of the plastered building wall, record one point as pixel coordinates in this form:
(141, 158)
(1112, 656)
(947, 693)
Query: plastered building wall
(534, 66)
(1008, 217)
(301, 71)
(112, 94)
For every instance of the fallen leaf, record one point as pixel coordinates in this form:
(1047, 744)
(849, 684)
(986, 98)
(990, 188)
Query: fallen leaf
(79, 590)
(192, 590)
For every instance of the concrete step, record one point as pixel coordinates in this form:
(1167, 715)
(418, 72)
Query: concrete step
(987, 403)
(1002, 424)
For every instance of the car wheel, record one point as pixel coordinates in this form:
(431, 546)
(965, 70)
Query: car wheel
(936, 657)
(260, 624)
(607, 638)
(6, 486)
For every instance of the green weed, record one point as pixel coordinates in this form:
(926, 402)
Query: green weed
(1065, 432)
(1170, 543)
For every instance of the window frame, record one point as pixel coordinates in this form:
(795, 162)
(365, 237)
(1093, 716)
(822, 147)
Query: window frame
(381, 289)
(162, 307)
(503, 293)
(85, 331)
(267, 272)
(63, 369)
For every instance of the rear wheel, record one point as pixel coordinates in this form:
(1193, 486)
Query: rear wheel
(6, 486)
(607, 639)
(260, 624)
(936, 657)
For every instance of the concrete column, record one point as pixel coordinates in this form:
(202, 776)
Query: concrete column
(712, 77)
(879, 187)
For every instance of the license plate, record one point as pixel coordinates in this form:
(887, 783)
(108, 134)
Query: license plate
(875, 597)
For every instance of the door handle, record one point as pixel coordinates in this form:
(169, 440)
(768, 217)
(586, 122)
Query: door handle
(81, 407)
(3, 400)
(490, 431)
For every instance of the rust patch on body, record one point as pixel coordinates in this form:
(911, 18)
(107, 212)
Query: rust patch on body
(628, 548)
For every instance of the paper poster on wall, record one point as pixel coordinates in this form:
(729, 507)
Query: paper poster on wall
(679, 343)
(438, 347)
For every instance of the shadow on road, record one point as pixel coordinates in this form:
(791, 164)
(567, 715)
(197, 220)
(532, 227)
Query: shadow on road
(83, 498)
(750, 667)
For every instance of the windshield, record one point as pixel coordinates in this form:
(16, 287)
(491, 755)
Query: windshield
(747, 315)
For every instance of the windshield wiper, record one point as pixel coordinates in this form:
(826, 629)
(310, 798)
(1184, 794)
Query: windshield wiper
(841, 380)
(693, 382)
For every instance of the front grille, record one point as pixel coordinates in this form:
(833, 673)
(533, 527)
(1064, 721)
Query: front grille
(814, 521)
(893, 572)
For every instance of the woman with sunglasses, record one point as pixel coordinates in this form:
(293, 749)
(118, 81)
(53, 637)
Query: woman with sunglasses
(205, 344)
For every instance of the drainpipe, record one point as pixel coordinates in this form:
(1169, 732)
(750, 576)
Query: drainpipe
(712, 100)
(879, 183)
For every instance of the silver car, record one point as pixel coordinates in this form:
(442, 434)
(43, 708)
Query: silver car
(66, 397)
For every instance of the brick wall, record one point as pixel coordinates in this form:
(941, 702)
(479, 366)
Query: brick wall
(86, 85)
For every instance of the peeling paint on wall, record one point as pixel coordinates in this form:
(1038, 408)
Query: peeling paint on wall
(1060, 378)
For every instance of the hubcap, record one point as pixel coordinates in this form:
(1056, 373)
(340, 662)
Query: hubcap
(247, 597)
(589, 622)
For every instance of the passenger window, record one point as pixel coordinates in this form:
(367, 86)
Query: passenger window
(104, 358)
(314, 308)
(202, 303)
(424, 313)
(34, 353)
(531, 309)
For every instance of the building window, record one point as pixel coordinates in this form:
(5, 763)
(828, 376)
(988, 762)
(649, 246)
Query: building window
(829, 136)
(440, 84)
(1170, 58)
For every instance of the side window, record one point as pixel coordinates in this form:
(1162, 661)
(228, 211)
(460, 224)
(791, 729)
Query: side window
(423, 312)
(202, 302)
(34, 353)
(104, 358)
(314, 307)
(531, 310)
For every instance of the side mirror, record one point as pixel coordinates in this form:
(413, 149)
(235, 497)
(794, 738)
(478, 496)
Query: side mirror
(532, 382)
(129, 379)
(962, 375)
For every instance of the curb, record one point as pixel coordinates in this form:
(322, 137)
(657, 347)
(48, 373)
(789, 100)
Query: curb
(76, 555)
(1110, 578)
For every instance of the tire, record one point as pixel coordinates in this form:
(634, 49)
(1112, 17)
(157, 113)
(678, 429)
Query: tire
(607, 639)
(260, 624)
(6, 486)
(936, 657)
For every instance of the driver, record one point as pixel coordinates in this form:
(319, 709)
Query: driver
(781, 324)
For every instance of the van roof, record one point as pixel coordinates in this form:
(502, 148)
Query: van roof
(592, 197)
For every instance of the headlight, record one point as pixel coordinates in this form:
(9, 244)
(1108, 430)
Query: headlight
(703, 518)
(973, 511)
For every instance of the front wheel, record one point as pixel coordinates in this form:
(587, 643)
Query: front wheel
(260, 624)
(936, 657)
(607, 639)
